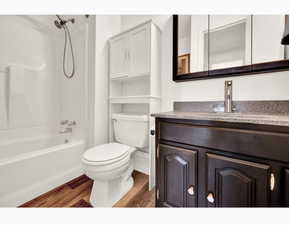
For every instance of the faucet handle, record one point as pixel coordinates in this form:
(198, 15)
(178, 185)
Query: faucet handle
(64, 122)
(71, 123)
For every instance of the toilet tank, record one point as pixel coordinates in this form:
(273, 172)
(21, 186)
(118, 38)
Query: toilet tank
(131, 129)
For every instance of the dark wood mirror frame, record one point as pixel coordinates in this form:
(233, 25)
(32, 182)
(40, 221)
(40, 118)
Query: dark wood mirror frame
(274, 66)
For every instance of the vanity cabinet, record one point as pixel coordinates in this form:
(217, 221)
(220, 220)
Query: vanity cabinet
(130, 53)
(178, 176)
(221, 164)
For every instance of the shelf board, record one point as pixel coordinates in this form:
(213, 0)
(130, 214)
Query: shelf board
(136, 77)
(132, 99)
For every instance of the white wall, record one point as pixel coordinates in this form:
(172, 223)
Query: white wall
(270, 86)
(105, 27)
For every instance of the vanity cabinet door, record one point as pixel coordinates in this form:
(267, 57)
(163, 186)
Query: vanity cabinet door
(236, 183)
(177, 177)
(286, 188)
(119, 63)
(139, 53)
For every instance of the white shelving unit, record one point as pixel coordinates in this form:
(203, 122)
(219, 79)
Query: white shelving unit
(132, 99)
(134, 74)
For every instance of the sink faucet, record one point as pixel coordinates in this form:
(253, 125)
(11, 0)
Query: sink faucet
(228, 104)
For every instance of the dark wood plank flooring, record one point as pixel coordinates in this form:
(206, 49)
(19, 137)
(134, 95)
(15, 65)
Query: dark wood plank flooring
(76, 194)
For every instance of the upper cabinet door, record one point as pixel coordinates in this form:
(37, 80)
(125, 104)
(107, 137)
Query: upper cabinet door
(229, 41)
(267, 34)
(237, 183)
(119, 56)
(139, 53)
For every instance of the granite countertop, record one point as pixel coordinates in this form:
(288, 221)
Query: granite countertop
(235, 117)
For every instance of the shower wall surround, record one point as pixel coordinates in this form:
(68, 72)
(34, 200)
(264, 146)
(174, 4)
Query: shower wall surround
(28, 97)
(34, 94)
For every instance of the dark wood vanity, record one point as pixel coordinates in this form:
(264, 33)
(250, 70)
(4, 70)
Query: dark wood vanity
(220, 164)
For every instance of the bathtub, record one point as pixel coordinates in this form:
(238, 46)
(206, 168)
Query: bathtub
(31, 167)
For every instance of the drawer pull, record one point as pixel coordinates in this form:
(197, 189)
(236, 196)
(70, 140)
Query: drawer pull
(210, 198)
(191, 190)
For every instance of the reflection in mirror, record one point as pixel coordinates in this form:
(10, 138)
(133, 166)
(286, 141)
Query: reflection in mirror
(229, 41)
(208, 46)
(267, 34)
(192, 43)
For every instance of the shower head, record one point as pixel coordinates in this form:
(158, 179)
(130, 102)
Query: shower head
(57, 24)
(61, 22)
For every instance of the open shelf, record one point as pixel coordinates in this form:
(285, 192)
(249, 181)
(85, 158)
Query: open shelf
(132, 99)
(125, 78)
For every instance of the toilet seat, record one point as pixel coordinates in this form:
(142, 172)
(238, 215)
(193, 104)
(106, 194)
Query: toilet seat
(106, 154)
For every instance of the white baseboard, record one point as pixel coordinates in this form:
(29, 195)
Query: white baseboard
(20, 197)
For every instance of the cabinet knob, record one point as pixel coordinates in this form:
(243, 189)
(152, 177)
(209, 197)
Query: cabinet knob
(272, 182)
(210, 198)
(191, 190)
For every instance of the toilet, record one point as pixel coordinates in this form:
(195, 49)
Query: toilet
(110, 165)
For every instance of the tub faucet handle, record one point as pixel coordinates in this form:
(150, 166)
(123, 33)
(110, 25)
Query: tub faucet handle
(71, 123)
(64, 122)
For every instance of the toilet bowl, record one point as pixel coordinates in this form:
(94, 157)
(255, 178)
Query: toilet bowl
(110, 166)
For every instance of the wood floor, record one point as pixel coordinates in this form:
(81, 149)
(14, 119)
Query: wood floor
(76, 194)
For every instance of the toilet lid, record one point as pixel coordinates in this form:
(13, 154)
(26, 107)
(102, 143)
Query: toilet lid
(107, 152)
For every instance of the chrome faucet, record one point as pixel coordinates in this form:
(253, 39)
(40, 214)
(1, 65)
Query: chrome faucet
(68, 128)
(68, 123)
(228, 103)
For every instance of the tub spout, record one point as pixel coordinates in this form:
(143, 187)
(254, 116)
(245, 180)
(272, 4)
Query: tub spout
(66, 130)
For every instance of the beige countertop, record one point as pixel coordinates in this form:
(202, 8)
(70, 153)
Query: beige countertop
(253, 118)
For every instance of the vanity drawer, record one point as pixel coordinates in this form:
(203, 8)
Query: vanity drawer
(250, 142)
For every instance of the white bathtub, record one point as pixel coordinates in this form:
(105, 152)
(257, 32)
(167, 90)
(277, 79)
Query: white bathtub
(31, 167)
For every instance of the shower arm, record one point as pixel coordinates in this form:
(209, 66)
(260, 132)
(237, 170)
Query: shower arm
(63, 22)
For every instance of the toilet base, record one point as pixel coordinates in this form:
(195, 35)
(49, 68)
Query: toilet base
(107, 193)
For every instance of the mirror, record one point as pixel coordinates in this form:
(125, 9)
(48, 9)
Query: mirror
(229, 41)
(192, 44)
(208, 46)
(266, 39)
